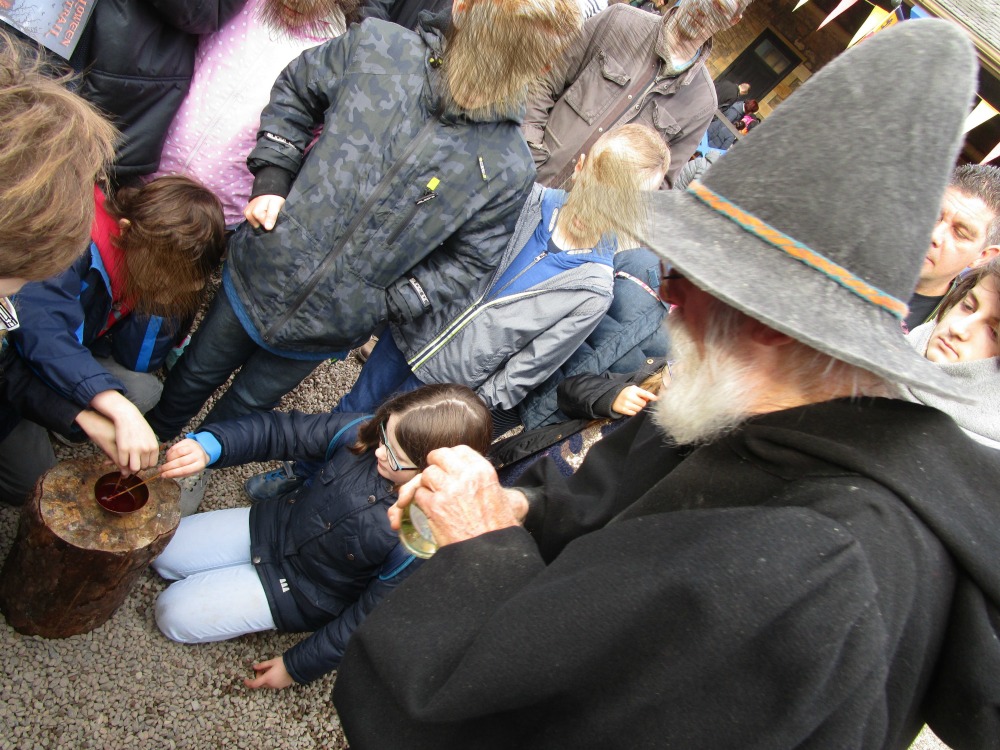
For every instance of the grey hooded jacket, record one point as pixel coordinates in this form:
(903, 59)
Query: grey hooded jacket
(395, 210)
(505, 346)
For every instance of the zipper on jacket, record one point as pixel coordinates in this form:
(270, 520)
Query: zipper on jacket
(428, 195)
(519, 274)
(471, 312)
(377, 193)
(453, 330)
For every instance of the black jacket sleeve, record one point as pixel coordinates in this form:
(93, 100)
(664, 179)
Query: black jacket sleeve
(30, 397)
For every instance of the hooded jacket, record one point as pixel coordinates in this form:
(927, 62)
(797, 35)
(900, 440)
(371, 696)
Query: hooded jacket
(503, 345)
(69, 319)
(397, 210)
(626, 339)
(822, 577)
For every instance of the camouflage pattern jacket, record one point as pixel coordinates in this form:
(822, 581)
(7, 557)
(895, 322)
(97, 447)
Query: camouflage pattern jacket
(397, 209)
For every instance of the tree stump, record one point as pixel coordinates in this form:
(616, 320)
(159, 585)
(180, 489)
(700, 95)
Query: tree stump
(73, 563)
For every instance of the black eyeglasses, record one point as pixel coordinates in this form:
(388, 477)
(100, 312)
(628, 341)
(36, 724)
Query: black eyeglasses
(393, 461)
(668, 274)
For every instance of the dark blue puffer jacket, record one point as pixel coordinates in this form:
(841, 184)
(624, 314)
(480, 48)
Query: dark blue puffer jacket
(326, 555)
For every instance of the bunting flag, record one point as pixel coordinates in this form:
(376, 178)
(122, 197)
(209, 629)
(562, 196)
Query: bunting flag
(801, 3)
(876, 17)
(992, 154)
(983, 112)
(844, 5)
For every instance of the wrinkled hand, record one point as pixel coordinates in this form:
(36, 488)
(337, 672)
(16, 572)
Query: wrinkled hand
(263, 211)
(632, 400)
(270, 674)
(136, 445)
(184, 459)
(461, 496)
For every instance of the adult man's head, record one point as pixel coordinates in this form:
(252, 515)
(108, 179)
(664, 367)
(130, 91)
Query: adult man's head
(692, 23)
(495, 48)
(53, 147)
(967, 232)
(792, 283)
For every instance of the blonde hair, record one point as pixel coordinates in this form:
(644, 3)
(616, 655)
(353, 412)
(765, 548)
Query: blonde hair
(53, 147)
(606, 192)
(496, 48)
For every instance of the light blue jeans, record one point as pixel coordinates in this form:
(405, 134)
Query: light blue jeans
(216, 594)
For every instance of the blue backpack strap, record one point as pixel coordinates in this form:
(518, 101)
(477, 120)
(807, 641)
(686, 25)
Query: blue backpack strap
(340, 433)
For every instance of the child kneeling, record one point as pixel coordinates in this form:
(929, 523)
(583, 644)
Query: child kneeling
(321, 558)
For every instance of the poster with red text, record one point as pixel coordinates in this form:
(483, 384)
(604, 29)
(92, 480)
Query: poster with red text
(56, 24)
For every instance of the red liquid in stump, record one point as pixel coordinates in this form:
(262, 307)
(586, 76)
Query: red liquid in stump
(131, 498)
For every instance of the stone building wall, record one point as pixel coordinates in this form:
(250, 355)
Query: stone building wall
(799, 30)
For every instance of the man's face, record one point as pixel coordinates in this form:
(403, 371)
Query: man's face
(710, 389)
(968, 331)
(698, 20)
(958, 240)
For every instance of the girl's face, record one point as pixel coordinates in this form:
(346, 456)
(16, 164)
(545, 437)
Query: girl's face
(393, 463)
(969, 330)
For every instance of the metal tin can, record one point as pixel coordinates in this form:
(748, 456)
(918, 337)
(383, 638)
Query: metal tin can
(415, 532)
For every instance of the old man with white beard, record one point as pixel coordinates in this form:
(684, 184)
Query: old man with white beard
(786, 556)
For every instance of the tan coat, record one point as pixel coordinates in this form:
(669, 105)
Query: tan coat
(610, 69)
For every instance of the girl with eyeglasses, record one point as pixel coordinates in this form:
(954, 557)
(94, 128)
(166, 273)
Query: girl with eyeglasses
(322, 557)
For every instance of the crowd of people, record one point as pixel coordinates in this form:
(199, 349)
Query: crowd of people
(785, 364)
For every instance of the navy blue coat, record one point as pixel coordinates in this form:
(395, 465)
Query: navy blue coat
(629, 334)
(326, 555)
(62, 320)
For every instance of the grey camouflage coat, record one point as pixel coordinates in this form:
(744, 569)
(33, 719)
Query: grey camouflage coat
(396, 209)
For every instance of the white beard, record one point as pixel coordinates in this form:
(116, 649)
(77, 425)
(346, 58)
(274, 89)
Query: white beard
(710, 393)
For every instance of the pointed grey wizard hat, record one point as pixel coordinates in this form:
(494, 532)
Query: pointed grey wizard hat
(821, 233)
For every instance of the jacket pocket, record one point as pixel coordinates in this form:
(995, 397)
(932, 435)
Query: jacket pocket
(597, 88)
(663, 121)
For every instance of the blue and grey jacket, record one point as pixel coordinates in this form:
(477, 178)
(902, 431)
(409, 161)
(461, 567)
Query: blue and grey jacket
(507, 342)
(630, 334)
(397, 210)
(326, 555)
(62, 329)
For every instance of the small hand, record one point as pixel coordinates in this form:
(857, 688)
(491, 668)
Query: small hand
(631, 400)
(270, 674)
(184, 459)
(137, 446)
(263, 211)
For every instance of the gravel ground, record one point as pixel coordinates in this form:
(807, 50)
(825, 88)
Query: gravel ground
(124, 685)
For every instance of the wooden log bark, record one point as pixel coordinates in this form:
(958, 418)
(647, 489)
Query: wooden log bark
(73, 563)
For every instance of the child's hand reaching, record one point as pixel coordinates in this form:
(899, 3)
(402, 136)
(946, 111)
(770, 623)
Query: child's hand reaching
(184, 459)
(632, 400)
(263, 211)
